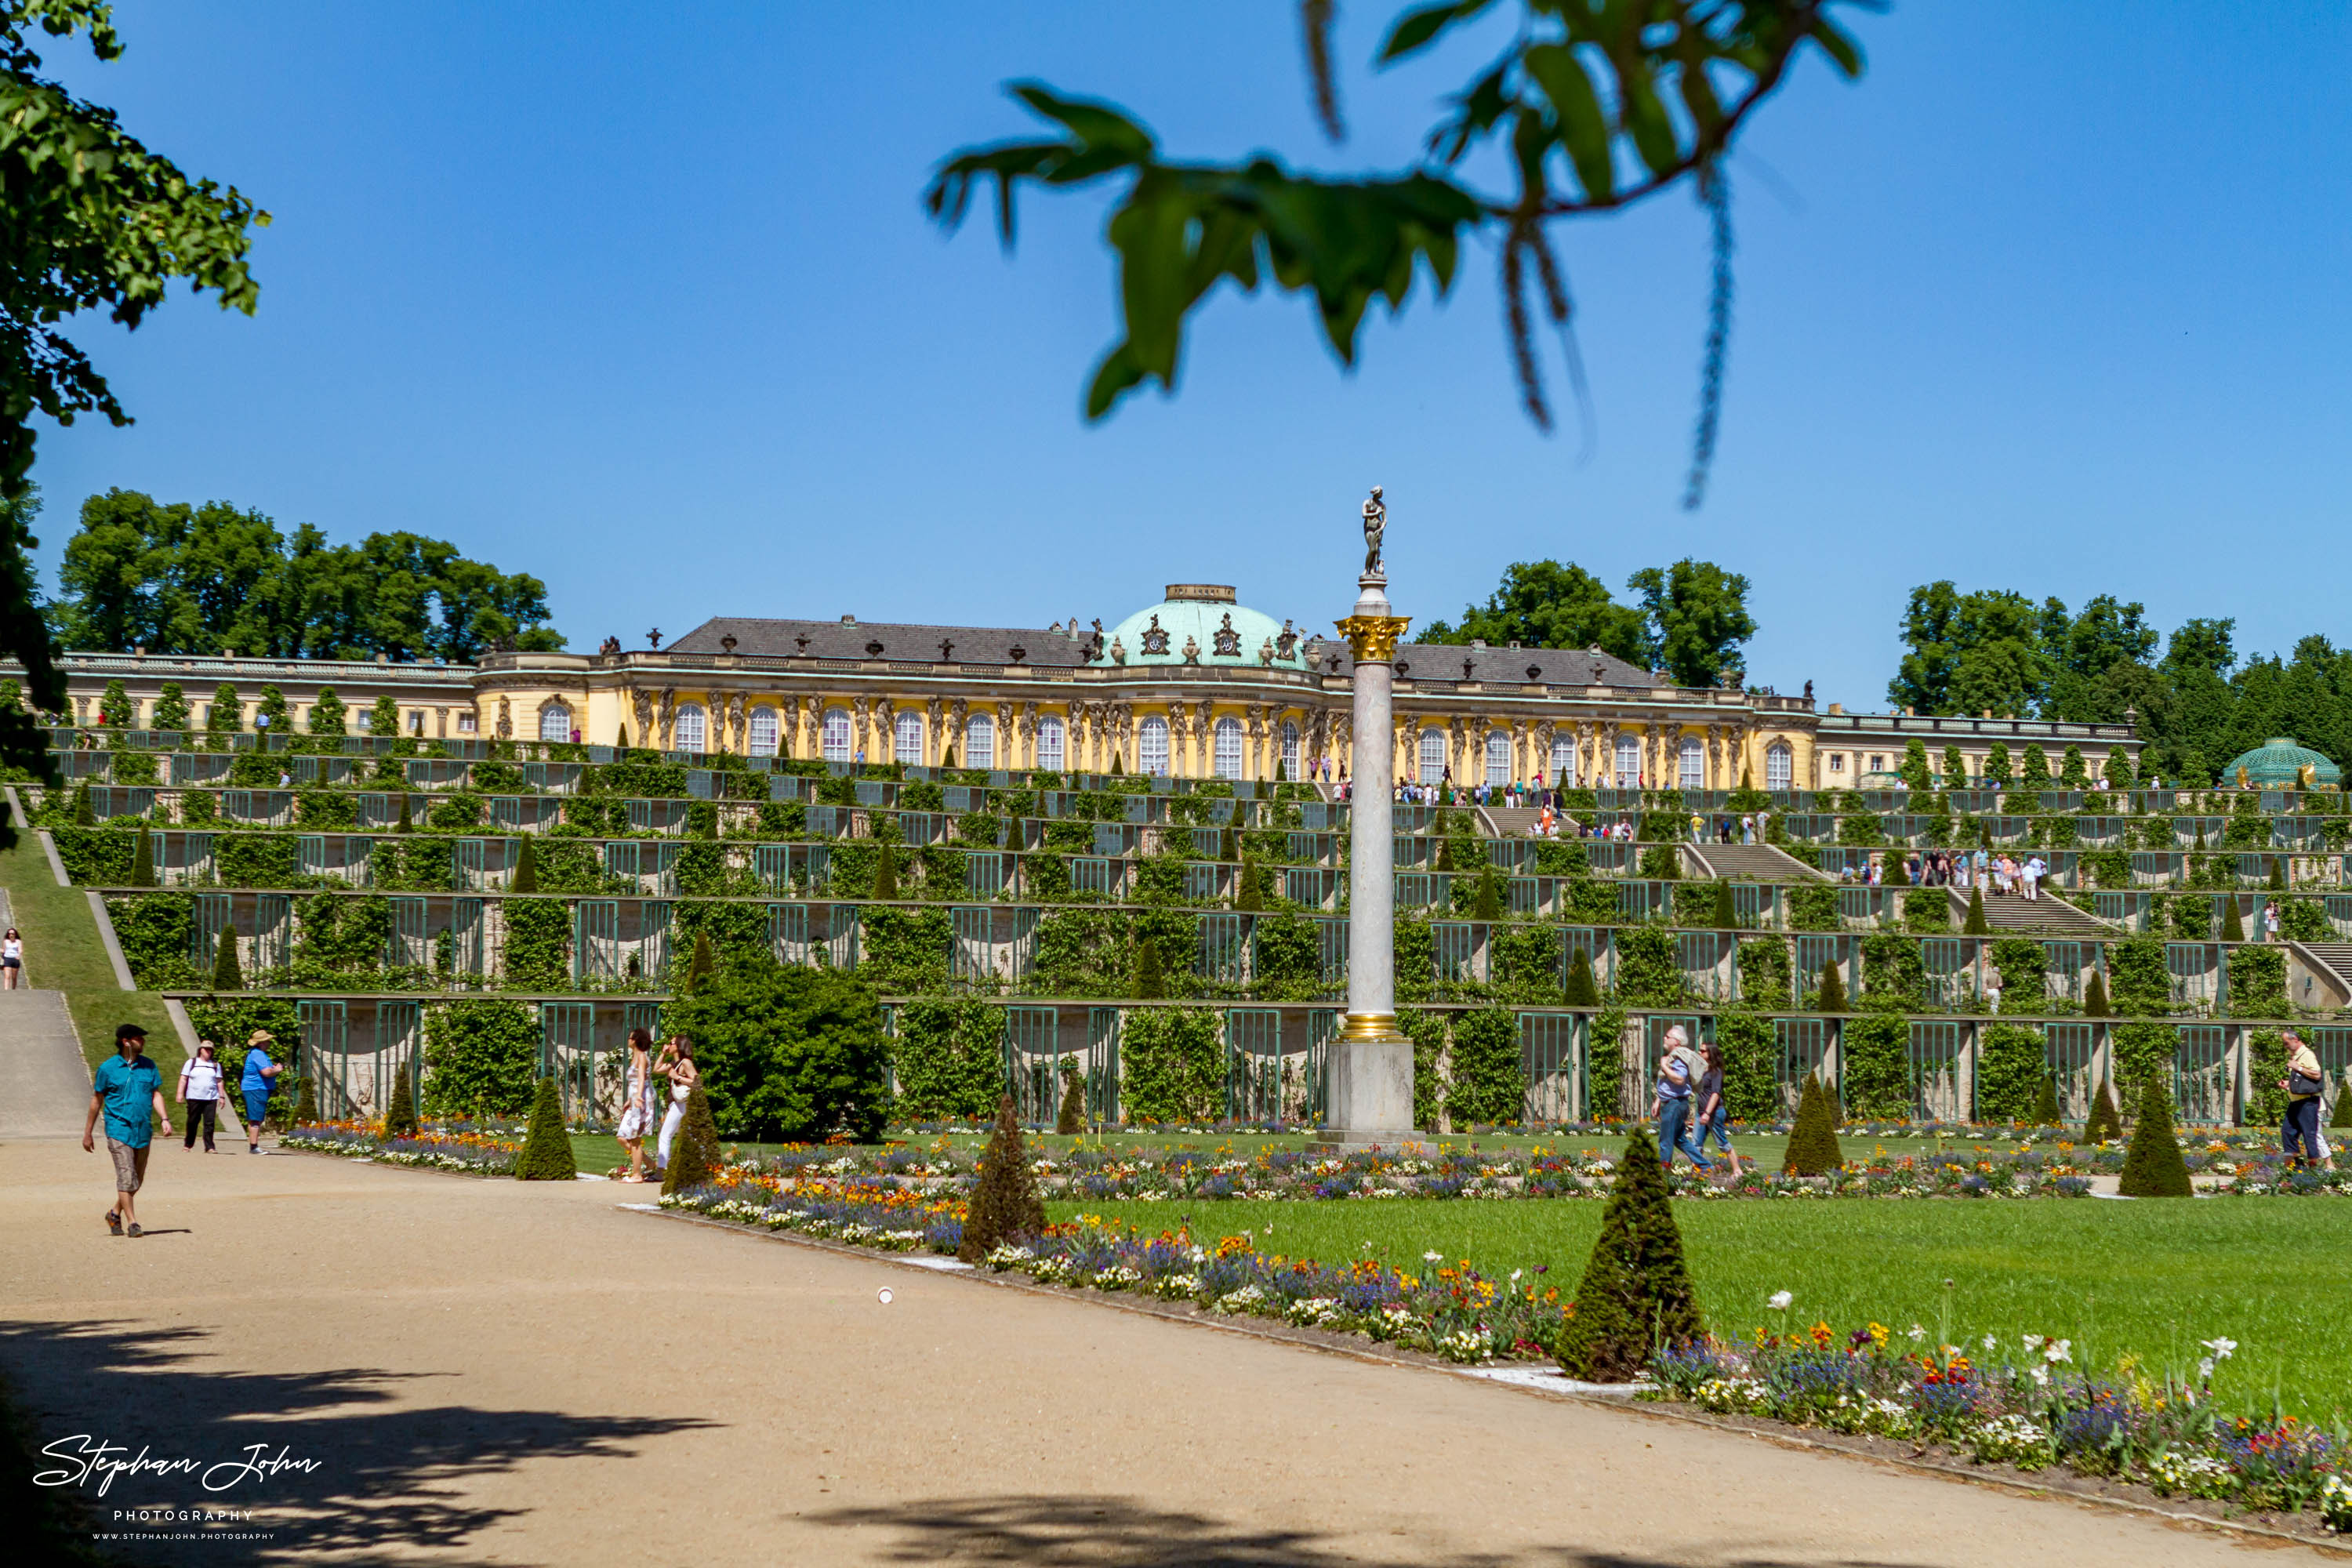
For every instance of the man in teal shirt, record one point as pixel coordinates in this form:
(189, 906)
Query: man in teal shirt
(128, 1090)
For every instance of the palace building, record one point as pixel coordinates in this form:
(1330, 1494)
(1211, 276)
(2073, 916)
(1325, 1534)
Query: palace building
(1196, 685)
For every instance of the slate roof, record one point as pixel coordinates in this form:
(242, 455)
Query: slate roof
(899, 640)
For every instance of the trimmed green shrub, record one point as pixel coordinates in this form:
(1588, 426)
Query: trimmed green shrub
(1751, 1047)
(227, 974)
(951, 1058)
(2153, 1166)
(1581, 991)
(2233, 927)
(694, 1153)
(2104, 1124)
(885, 869)
(526, 868)
(1174, 1065)
(1488, 904)
(1812, 1148)
(539, 943)
(2258, 982)
(1071, 1118)
(546, 1148)
(2045, 1108)
(1725, 917)
(1005, 1206)
(1974, 924)
(481, 1055)
(400, 1112)
(2012, 1065)
(788, 1054)
(2094, 996)
(2342, 1116)
(1150, 981)
(1636, 1295)
(1877, 1063)
(1488, 1081)
(143, 859)
(1830, 997)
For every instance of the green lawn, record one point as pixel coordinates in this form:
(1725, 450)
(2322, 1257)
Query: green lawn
(2151, 1277)
(63, 953)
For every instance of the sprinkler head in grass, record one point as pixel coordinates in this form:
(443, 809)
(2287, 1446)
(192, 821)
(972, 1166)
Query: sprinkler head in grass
(883, 1295)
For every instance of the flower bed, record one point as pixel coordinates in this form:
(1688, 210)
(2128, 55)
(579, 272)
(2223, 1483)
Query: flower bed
(2027, 1405)
(474, 1152)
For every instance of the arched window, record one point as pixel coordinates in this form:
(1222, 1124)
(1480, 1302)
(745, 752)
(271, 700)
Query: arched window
(1778, 766)
(766, 732)
(980, 743)
(906, 739)
(1049, 744)
(690, 734)
(836, 734)
(555, 722)
(1628, 762)
(1563, 763)
(1289, 750)
(1229, 748)
(1694, 770)
(1432, 756)
(1498, 757)
(1151, 747)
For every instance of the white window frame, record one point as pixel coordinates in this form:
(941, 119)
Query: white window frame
(1694, 763)
(690, 730)
(980, 743)
(837, 733)
(1780, 767)
(1289, 751)
(1498, 758)
(1563, 763)
(1628, 774)
(906, 739)
(1050, 736)
(1226, 733)
(561, 713)
(764, 732)
(1151, 747)
(1837, 762)
(1431, 754)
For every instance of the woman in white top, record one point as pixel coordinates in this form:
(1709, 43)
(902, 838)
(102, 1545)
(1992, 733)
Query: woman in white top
(637, 1115)
(11, 960)
(200, 1091)
(677, 1064)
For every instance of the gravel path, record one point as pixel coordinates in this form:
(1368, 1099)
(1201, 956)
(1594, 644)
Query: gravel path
(490, 1371)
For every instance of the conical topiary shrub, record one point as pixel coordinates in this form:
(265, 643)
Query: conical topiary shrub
(1489, 903)
(1071, 1119)
(694, 1154)
(1636, 1293)
(546, 1148)
(1581, 990)
(526, 869)
(1726, 918)
(2094, 996)
(1249, 897)
(84, 814)
(1812, 1143)
(1228, 846)
(227, 973)
(1004, 1204)
(698, 967)
(1151, 982)
(400, 1114)
(143, 859)
(2045, 1109)
(885, 869)
(2233, 927)
(1831, 997)
(1974, 924)
(2106, 1123)
(2278, 873)
(407, 823)
(2343, 1113)
(2153, 1167)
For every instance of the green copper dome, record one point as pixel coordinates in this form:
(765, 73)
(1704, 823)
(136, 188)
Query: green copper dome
(2279, 763)
(1221, 632)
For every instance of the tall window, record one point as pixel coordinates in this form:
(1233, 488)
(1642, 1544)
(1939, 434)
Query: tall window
(906, 739)
(1694, 770)
(1228, 735)
(1498, 757)
(1628, 762)
(836, 735)
(689, 732)
(1563, 763)
(766, 732)
(1433, 755)
(555, 722)
(1778, 766)
(979, 741)
(1049, 744)
(1151, 747)
(1289, 750)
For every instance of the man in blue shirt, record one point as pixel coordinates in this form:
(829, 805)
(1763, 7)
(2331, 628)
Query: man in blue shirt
(128, 1090)
(260, 1074)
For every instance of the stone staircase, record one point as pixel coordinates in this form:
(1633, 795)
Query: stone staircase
(2332, 959)
(2018, 915)
(1515, 821)
(1747, 863)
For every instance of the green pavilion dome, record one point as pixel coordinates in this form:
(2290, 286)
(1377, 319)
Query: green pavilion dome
(2279, 762)
(1219, 631)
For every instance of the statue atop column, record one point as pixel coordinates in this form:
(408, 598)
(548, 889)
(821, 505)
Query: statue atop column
(1376, 522)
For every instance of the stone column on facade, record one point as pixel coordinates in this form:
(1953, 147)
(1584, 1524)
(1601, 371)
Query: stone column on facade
(1122, 734)
(933, 735)
(1028, 734)
(1369, 1075)
(1254, 765)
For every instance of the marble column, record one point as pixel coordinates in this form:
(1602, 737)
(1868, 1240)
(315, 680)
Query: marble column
(1369, 1081)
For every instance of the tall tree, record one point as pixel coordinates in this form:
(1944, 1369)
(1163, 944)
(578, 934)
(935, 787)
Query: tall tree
(1696, 617)
(1574, 113)
(89, 221)
(1969, 652)
(2083, 652)
(1549, 604)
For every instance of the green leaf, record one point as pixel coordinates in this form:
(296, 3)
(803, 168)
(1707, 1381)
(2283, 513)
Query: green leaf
(1576, 106)
(1416, 31)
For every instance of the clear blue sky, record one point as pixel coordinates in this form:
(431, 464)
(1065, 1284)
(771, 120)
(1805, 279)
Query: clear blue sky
(641, 300)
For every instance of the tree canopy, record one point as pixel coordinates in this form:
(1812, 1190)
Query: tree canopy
(1690, 620)
(195, 579)
(89, 221)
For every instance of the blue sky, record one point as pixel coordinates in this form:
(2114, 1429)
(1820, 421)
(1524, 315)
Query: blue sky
(641, 300)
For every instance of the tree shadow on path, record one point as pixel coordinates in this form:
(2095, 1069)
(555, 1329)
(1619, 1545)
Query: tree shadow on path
(386, 1480)
(1098, 1531)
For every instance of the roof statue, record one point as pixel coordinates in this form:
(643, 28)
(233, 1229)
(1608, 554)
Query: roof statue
(1375, 523)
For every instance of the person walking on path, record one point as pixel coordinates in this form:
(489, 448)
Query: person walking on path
(261, 1076)
(1714, 1116)
(2270, 921)
(2305, 1082)
(200, 1091)
(1678, 1075)
(637, 1117)
(128, 1090)
(11, 960)
(677, 1064)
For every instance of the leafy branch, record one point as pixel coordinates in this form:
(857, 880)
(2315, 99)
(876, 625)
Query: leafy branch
(1595, 104)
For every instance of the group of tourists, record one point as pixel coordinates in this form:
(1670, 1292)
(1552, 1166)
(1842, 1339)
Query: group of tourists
(1688, 1102)
(676, 1063)
(1996, 874)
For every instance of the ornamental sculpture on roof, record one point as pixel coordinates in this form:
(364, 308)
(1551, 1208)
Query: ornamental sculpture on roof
(1375, 523)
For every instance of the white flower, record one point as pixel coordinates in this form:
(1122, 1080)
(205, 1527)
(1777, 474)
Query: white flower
(1778, 1300)
(1916, 1333)
(1433, 1258)
(2040, 1378)
(2221, 1349)
(1989, 1342)
(2205, 1369)
(1514, 1275)
(2033, 1341)
(2058, 1351)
